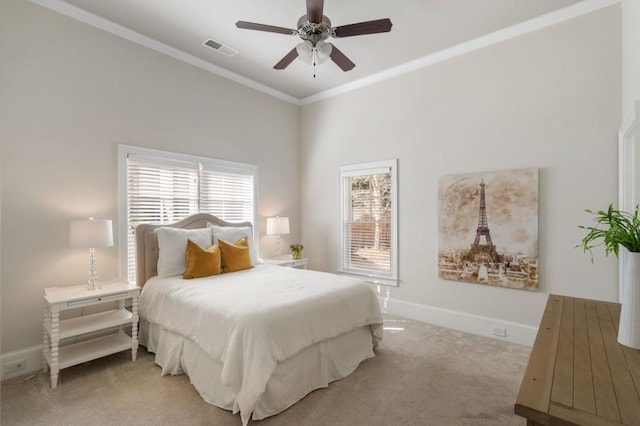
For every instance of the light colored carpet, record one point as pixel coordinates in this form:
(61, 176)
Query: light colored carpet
(421, 375)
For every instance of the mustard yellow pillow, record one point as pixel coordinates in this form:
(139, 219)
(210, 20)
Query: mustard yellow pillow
(202, 262)
(235, 257)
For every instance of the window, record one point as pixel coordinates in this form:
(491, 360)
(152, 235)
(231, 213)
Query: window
(368, 221)
(160, 187)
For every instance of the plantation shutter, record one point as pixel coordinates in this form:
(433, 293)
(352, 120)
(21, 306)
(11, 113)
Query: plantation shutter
(367, 222)
(163, 188)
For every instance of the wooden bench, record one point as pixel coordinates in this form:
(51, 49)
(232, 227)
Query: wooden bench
(578, 374)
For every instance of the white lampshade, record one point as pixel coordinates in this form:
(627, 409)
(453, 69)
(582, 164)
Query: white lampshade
(91, 233)
(307, 49)
(277, 225)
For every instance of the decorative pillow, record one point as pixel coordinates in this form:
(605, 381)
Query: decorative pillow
(172, 244)
(235, 257)
(202, 262)
(234, 233)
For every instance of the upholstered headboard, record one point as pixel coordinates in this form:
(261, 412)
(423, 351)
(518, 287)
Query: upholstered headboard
(147, 242)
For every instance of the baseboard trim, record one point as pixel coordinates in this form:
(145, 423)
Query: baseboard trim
(32, 357)
(521, 334)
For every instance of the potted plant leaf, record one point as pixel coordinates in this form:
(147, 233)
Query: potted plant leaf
(613, 229)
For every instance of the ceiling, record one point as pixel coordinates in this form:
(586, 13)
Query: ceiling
(420, 28)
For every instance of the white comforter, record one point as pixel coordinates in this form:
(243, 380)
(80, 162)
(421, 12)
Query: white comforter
(253, 319)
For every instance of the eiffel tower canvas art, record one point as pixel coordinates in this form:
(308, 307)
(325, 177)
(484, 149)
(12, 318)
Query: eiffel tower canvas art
(488, 228)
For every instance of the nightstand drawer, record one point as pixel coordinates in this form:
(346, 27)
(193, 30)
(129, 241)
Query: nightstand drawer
(94, 300)
(289, 263)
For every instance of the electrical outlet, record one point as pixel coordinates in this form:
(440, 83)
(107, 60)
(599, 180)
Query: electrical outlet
(500, 331)
(17, 365)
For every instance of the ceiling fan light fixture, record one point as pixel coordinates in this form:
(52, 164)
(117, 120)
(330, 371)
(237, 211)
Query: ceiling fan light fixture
(309, 53)
(305, 51)
(323, 51)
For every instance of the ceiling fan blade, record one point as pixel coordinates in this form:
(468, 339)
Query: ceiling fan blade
(340, 59)
(288, 58)
(262, 27)
(362, 28)
(314, 11)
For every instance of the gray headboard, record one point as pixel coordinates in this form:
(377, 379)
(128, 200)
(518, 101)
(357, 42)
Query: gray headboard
(147, 242)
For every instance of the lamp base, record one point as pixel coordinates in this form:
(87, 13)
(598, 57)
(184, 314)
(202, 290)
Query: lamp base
(92, 283)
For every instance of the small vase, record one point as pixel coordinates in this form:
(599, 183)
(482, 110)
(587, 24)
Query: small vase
(629, 328)
(296, 254)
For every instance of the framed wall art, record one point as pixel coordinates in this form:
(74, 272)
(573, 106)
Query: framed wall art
(488, 228)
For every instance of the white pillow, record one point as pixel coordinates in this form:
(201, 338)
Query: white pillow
(231, 234)
(172, 244)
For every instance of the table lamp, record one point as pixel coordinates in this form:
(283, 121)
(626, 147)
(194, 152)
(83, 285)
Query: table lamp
(91, 234)
(277, 226)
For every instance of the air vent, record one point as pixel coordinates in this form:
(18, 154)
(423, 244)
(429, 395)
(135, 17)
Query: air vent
(219, 47)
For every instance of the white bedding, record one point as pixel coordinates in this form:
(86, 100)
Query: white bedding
(252, 320)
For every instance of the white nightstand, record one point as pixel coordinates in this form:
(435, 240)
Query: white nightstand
(289, 262)
(57, 299)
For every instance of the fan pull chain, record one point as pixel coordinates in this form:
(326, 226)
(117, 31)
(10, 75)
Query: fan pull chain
(314, 56)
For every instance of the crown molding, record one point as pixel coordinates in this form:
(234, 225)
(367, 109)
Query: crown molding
(547, 20)
(116, 29)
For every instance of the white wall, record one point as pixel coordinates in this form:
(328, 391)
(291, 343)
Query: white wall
(630, 55)
(550, 99)
(69, 94)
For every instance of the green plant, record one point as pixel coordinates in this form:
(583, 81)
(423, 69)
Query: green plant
(614, 228)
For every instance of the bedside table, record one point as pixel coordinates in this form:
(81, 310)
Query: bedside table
(289, 262)
(57, 299)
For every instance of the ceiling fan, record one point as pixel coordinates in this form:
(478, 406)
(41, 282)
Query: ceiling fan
(314, 28)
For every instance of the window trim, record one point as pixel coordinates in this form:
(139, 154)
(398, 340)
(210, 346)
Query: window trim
(390, 279)
(219, 165)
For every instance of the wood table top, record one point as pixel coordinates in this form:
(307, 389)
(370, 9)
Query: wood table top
(578, 373)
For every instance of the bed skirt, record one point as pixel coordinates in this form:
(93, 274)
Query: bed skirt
(313, 368)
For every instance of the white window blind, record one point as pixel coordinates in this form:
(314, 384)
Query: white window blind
(368, 221)
(226, 195)
(161, 187)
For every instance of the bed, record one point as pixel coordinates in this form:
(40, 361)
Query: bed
(254, 341)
